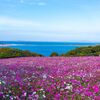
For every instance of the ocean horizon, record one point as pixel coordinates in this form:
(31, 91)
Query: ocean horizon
(45, 48)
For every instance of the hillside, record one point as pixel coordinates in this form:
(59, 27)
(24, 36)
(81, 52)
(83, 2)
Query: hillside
(84, 51)
(11, 53)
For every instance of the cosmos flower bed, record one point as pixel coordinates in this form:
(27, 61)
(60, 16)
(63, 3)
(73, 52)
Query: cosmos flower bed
(45, 78)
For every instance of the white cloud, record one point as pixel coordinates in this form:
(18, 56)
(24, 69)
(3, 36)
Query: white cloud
(11, 22)
(8, 0)
(74, 26)
(41, 3)
(45, 36)
(21, 1)
(29, 2)
(37, 3)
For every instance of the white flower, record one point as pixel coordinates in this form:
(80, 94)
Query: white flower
(69, 87)
(44, 96)
(0, 83)
(34, 93)
(44, 76)
(25, 94)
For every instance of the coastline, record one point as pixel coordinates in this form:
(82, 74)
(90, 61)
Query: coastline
(4, 45)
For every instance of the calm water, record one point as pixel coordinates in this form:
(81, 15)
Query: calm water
(45, 48)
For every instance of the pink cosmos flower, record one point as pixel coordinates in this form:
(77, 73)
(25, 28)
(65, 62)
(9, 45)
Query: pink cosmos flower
(96, 88)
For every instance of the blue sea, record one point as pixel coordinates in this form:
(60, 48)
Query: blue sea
(44, 48)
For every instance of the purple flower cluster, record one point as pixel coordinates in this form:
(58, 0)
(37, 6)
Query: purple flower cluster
(50, 78)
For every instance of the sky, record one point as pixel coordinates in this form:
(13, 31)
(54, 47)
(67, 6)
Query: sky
(50, 20)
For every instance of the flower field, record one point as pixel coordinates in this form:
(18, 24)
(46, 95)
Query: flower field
(45, 78)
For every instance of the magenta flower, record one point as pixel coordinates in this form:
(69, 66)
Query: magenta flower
(96, 88)
(45, 78)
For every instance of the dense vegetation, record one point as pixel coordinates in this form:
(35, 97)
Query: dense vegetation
(84, 51)
(54, 54)
(56, 78)
(11, 52)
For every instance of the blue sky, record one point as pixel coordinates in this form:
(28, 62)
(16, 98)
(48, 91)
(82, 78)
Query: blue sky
(50, 20)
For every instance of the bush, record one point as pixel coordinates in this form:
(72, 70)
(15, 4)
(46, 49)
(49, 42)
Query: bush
(10, 53)
(54, 54)
(84, 51)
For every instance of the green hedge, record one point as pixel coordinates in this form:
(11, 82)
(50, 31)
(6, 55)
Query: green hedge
(84, 51)
(54, 54)
(11, 52)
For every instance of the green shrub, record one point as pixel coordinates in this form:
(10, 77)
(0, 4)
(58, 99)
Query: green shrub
(10, 53)
(84, 51)
(54, 54)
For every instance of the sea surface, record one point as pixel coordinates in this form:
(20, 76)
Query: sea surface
(45, 48)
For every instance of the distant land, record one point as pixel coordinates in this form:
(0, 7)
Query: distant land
(45, 48)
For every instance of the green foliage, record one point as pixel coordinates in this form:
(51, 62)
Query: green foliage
(54, 54)
(84, 51)
(10, 53)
